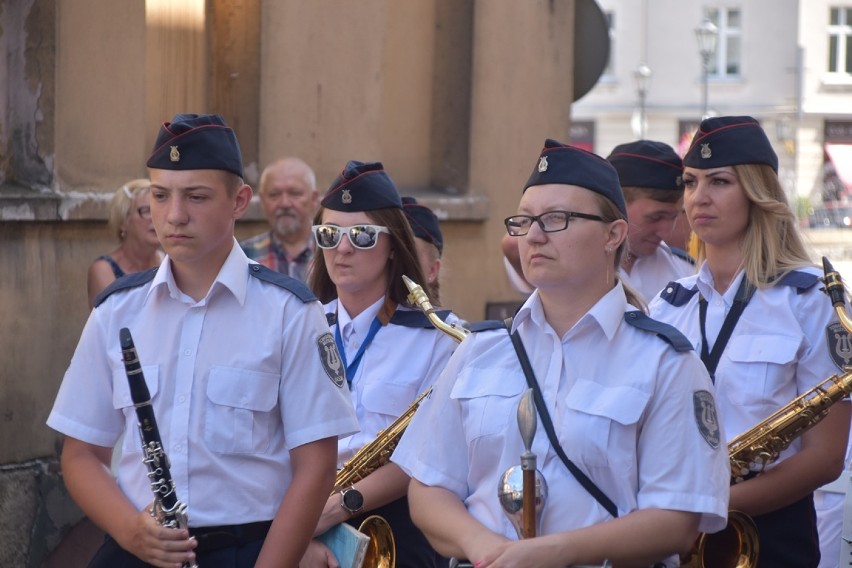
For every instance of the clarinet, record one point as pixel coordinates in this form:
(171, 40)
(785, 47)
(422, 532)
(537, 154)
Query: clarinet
(169, 511)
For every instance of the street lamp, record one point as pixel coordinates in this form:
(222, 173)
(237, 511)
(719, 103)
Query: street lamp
(642, 75)
(707, 34)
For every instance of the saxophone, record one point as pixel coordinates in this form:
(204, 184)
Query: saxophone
(381, 552)
(751, 452)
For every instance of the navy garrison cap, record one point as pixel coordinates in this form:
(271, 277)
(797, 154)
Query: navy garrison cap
(730, 141)
(423, 222)
(362, 187)
(647, 163)
(569, 165)
(197, 142)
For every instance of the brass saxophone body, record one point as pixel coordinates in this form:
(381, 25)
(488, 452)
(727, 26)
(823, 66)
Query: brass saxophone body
(752, 451)
(381, 552)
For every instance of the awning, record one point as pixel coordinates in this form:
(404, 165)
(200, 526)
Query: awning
(841, 158)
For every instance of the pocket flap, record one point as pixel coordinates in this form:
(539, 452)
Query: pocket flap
(618, 403)
(243, 388)
(391, 399)
(763, 349)
(474, 383)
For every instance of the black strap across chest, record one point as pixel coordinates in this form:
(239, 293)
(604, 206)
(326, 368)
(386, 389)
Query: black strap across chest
(741, 299)
(584, 480)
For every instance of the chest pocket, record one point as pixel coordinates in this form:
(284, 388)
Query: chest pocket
(761, 366)
(489, 400)
(389, 399)
(121, 400)
(241, 406)
(601, 426)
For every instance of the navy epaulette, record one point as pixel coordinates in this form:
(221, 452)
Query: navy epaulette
(664, 331)
(331, 318)
(124, 283)
(802, 281)
(297, 287)
(682, 254)
(411, 318)
(486, 325)
(677, 295)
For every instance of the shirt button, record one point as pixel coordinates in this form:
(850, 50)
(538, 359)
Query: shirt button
(669, 290)
(178, 448)
(181, 398)
(187, 352)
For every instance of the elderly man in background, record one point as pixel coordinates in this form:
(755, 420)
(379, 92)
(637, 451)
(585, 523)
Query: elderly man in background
(289, 199)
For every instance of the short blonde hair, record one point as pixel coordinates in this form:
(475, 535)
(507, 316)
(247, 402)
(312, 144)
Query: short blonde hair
(121, 206)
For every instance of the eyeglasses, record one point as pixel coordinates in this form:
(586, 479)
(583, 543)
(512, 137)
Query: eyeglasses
(144, 212)
(550, 222)
(362, 237)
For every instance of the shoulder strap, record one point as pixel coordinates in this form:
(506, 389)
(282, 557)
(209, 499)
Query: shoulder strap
(584, 480)
(411, 318)
(297, 287)
(675, 294)
(125, 282)
(664, 331)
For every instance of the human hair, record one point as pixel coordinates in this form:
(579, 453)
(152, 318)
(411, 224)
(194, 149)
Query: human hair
(631, 194)
(610, 212)
(772, 245)
(434, 256)
(232, 182)
(403, 259)
(122, 204)
(308, 176)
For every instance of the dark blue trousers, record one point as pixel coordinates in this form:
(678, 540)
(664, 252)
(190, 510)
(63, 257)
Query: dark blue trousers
(788, 536)
(110, 555)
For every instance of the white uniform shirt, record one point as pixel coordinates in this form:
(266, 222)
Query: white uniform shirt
(623, 404)
(236, 381)
(651, 273)
(777, 351)
(399, 364)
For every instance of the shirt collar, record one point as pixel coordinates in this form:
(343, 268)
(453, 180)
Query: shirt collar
(607, 314)
(232, 276)
(361, 323)
(705, 285)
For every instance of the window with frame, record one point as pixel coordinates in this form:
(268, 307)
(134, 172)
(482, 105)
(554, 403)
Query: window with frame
(840, 40)
(727, 61)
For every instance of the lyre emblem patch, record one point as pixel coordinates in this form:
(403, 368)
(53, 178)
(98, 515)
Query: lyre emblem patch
(542, 164)
(839, 344)
(706, 152)
(346, 197)
(174, 154)
(705, 417)
(331, 361)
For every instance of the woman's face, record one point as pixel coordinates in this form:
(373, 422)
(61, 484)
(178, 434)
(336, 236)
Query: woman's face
(716, 205)
(354, 270)
(138, 224)
(568, 258)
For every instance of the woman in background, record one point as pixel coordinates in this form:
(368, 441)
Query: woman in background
(138, 248)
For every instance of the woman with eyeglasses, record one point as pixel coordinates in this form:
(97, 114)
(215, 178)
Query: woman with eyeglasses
(630, 403)
(756, 313)
(390, 351)
(138, 248)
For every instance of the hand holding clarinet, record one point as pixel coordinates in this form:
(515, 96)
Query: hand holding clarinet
(167, 509)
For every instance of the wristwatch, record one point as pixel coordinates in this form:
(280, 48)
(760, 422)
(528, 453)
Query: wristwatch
(352, 500)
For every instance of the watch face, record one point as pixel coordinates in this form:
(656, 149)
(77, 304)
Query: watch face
(353, 500)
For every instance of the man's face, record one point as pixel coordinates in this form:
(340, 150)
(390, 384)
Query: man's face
(650, 222)
(288, 201)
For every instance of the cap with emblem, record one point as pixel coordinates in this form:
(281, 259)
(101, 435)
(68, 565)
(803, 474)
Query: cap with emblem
(423, 222)
(196, 142)
(730, 141)
(649, 164)
(362, 187)
(569, 165)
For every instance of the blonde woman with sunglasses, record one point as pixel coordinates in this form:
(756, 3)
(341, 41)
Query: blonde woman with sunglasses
(390, 351)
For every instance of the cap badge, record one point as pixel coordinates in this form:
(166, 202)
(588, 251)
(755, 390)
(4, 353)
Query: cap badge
(174, 155)
(542, 164)
(346, 197)
(706, 152)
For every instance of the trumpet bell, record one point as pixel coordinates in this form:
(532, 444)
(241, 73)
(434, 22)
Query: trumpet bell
(381, 551)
